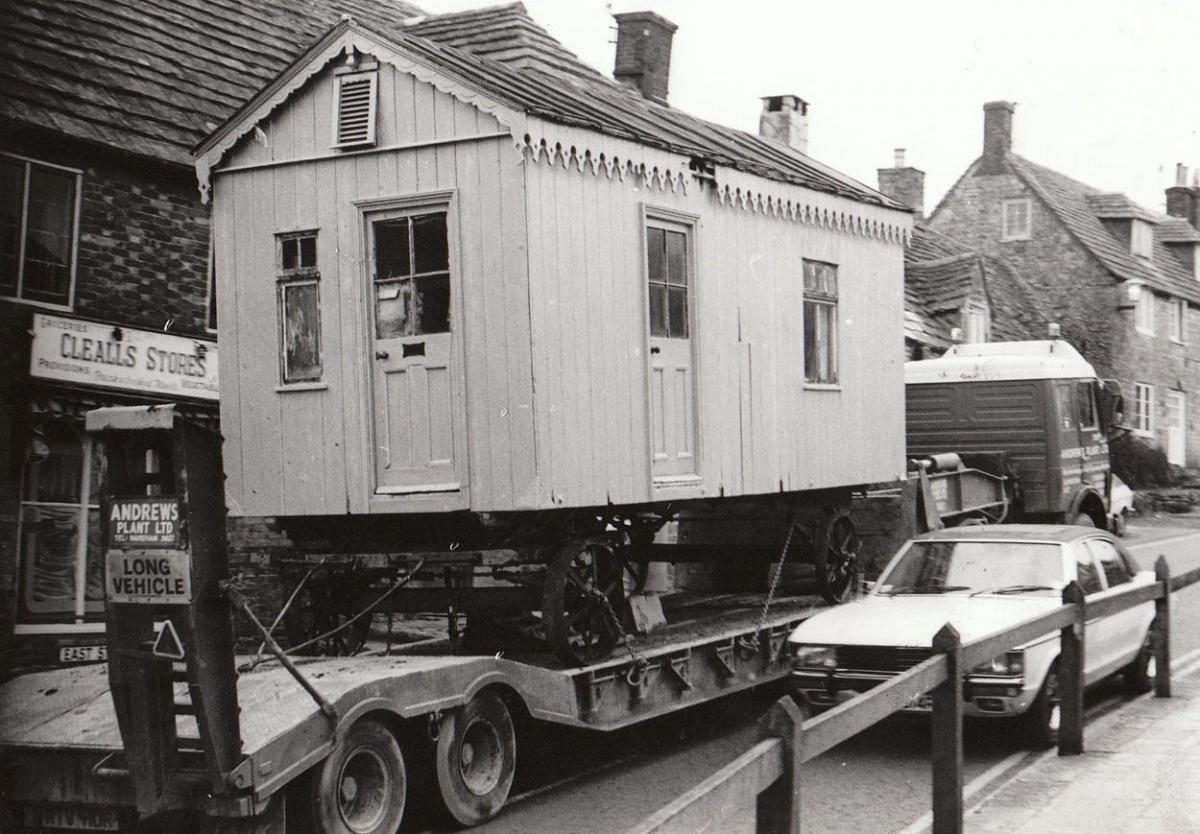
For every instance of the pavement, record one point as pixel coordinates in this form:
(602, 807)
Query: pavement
(1139, 772)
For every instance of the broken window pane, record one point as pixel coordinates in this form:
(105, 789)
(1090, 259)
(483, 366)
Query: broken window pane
(430, 248)
(308, 252)
(432, 304)
(301, 332)
(391, 249)
(392, 303)
(288, 254)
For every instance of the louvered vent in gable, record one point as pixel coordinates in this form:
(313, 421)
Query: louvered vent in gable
(354, 109)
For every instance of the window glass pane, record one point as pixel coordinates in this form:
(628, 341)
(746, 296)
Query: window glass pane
(1115, 571)
(1087, 405)
(308, 252)
(810, 341)
(48, 235)
(431, 304)
(289, 254)
(658, 310)
(393, 300)
(94, 589)
(810, 276)
(301, 333)
(48, 546)
(56, 477)
(12, 194)
(656, 247)
(677, 258)
(677, 312)
(1066, 411)
(1088, 578)
(430, 249)
(391, 249)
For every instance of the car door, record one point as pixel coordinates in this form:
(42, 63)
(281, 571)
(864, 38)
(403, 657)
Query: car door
(1119, 635)
(1087, 574)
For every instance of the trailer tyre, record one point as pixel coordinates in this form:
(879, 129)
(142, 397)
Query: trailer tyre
(583, 600)
(476, 759)
(361, 787)
(836, 560)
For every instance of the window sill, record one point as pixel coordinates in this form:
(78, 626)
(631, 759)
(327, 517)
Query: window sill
(1143, 433)
(1175, 341)
(58, 628)
(301, 386)
(1144, 331)
(41, 305)
(1015, 238)
(822, 386)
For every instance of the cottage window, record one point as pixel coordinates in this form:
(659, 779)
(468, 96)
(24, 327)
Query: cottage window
(1144, 312)
(1177, 323)
(412, 276)
(354, 109)
(1015, 220)
(298, 287)
(1143, 409)
(1141, 239)
(820, 323)
(976, 325)
(39, 222)
(667, 274)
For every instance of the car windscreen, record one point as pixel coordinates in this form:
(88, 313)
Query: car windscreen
(975, 566)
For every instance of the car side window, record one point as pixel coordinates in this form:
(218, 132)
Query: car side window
(1116, 572)
(1086, 573)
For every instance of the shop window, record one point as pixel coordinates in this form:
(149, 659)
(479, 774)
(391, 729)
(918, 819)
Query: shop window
(298, 282)
(820, 323)
(39, 217)
(62, 573)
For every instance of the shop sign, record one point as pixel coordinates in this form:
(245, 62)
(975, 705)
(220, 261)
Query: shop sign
(87, 353)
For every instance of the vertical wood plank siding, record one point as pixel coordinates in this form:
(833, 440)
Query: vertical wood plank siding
(549, 322)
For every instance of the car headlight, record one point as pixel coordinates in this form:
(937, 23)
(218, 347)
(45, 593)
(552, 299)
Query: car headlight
(821, 657)
(1008, 664)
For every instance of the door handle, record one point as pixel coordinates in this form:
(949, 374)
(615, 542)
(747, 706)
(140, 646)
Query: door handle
(381, 354)
(656, 349)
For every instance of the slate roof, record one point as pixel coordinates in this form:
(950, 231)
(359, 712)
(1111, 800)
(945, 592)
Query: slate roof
(941, 275)
(1176, 230)
(154, 77)
(1075, 205)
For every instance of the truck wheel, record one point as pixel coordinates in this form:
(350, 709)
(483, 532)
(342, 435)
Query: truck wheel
(582, 601)
(362, 785)
(836, 560)
(1044, 715)
(476, 759)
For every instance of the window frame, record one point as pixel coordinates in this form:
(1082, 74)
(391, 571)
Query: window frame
(1143, 409)
(1177, 320)
(407, 213)
(1008, 233)
(28, 162)
(210, 295)
(1141, 239)
(1143, 312)
(668, 226)
(829, 301)
(291, 278)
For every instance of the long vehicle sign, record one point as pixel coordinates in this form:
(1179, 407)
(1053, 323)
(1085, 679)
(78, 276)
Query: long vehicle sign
(147, 560)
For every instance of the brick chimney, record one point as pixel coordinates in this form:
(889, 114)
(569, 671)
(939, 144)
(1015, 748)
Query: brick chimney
(644, 53)
(997, 135)
(904, 184)
(1184, 200)
(785, 119)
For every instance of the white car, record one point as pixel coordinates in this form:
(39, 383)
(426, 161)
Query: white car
(981, 579)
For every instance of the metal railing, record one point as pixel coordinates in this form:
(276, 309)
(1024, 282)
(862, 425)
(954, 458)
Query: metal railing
(765, 780)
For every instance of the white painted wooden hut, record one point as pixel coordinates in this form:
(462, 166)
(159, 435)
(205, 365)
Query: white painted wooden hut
(458, 279)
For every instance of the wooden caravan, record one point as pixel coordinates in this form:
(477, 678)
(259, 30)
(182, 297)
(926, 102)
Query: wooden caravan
(454, 287)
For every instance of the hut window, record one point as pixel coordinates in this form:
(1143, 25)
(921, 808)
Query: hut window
(298, 283)
(39, 219)
(354, 109)
(412, 275)
(820, 323)
(667, 274)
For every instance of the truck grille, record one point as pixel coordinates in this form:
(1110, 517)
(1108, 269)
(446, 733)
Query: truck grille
(889, 659)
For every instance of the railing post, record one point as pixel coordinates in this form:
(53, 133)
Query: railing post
(779, 809)
(1162, 635)
(1070, 675)
(947, 736)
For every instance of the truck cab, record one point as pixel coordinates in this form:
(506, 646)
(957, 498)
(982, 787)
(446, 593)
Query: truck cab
(1040, 403)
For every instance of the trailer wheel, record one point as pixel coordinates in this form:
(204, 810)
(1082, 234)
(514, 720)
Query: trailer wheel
(836, 560)
(582, 601)
(361, 787)
(476, 759)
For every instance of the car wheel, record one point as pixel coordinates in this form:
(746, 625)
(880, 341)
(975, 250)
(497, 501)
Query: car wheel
(1139, 675)
(1044, 716)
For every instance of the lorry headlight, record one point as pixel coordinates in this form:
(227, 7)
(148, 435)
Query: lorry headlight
(1008, 664)
(821, 657)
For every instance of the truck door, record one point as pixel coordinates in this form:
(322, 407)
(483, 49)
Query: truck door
(1093, 443)
(1070, 440)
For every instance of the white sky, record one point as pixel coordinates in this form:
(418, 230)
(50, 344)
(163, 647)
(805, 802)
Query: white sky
(1106, 92)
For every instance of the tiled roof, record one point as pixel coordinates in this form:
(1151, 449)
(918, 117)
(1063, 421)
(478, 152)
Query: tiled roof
(1072, 203)
(155, 77)
(1117, 206)
(1176, 230)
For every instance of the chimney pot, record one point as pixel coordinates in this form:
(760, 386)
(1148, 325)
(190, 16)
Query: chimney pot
(785, 119)
(1181, 173)
(997, 135)
(644, 53)
(904, 184)
(899, 157)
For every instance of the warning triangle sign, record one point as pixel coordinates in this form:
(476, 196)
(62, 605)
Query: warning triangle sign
(168, 643)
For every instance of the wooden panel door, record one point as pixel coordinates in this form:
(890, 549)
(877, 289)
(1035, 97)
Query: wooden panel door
(412, 376)
(672, 379)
